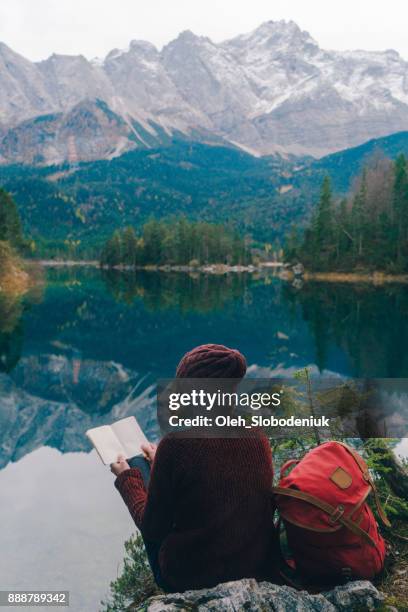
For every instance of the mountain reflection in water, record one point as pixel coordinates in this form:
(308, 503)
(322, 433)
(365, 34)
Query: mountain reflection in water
(90, 351)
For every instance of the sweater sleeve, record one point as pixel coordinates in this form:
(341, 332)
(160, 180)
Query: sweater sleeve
(158, 517)
(131, 487)
(152, 511)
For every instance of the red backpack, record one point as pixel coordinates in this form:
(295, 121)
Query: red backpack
(330, 528)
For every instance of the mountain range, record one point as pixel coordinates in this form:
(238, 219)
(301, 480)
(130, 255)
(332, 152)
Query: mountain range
(271, 91)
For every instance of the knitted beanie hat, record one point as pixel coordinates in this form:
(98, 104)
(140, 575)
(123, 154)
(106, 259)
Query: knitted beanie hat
(212, 361)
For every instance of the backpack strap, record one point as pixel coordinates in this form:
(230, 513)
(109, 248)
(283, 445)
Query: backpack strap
(288, 465)
(336, 514)
(368, 478)
(286, 571)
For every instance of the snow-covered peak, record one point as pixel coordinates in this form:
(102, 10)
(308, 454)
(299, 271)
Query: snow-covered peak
(187, 42)
(136, 48)
(281, 28)
(142, 46)
(274, 34)
(188, 37)
(60, 58)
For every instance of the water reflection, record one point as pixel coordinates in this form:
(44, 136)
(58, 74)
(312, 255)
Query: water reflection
(186, 292)
(369, 323)
(89, 352)
(91, 356)
(11, 332)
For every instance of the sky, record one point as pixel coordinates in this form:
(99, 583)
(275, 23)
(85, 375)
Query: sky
(38, 28)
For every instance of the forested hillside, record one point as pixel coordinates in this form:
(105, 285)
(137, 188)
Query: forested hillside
(74, 208)
(199, 181)
(366, 230)
(345, 165)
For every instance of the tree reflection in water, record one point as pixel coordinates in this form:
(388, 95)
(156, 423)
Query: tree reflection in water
(369, 323)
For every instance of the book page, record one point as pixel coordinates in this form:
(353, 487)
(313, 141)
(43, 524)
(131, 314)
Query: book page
(130, 435)
(106, 443)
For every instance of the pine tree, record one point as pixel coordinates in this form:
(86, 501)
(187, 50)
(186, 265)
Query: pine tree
(293, 244)
(359, 215)
(323, 225)
(129, 247)
(153, 235)
(183, 242)
(344, 239)
(112, 252)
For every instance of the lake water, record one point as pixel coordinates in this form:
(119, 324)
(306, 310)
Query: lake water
(87, 349)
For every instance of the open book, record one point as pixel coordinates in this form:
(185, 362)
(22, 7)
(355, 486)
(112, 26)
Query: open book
(124, 437)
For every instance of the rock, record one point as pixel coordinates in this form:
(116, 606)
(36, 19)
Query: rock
(357, 595)
(285, 274)
(297, 283)
(248, 594)
(298, 269)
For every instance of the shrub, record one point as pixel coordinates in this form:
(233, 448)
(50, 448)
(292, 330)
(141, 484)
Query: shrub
(136, 582)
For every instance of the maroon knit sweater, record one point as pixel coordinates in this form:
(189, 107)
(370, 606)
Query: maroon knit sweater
(209, 504)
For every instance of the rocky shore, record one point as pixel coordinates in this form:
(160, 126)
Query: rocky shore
(298, 273)
(248, 594)
(206, 269)
(286, 272)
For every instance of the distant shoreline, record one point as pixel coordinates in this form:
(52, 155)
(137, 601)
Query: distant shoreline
(373, 278)
(65, 263)
(285, 273)
(207, 269)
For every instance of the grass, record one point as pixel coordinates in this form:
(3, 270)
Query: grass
(394, 581)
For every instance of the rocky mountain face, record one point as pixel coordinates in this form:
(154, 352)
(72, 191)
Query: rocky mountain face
(273, 90)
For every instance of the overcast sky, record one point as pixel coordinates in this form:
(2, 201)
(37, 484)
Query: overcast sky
(37, 28)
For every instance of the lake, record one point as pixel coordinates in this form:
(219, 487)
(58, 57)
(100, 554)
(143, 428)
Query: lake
(87, 350)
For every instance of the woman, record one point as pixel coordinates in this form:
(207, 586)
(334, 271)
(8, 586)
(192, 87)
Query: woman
(206, 513)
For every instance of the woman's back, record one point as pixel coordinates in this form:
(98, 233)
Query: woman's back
(207, 515)
(209, 503)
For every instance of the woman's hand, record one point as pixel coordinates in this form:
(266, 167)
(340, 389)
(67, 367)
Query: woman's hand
(149, 451)
(121, 465)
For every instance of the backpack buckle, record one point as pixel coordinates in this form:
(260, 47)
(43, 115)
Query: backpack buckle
(337, 514)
